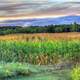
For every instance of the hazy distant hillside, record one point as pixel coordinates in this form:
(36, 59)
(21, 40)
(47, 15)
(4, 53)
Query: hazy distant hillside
(42, 22)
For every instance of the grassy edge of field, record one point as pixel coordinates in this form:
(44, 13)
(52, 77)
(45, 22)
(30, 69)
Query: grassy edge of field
(16, 70)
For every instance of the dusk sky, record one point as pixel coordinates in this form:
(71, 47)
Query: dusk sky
(20, 9)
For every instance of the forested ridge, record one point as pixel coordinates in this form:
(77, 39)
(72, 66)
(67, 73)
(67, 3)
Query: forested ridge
(40, 29)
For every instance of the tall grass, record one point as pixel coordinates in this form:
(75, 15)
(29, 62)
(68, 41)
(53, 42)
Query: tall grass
(39, 52)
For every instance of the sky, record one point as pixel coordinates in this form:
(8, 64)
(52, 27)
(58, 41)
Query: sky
(24, 9)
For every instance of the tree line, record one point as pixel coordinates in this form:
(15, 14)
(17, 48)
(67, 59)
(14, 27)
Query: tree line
(40, 29)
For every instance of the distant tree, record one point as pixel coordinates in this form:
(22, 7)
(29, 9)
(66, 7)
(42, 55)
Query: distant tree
(74, 27)
(58, 28)
(50, 28)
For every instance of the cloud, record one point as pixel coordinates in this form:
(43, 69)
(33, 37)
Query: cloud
(38, 8)
(19, 8)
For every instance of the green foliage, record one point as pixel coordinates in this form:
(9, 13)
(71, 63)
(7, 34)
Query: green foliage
(75, 73)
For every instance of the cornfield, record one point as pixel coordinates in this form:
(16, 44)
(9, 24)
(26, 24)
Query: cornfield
(46, 52)
(59, 50)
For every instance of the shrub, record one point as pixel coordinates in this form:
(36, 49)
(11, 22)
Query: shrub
(75, 73)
